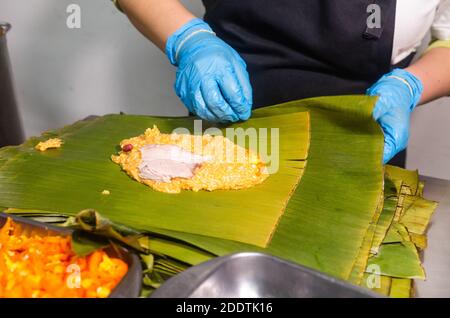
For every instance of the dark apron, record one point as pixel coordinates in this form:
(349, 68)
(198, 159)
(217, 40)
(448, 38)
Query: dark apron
(297, 49)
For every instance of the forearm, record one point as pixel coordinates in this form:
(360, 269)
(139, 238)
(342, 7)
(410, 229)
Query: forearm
(156, 19)
(433, 69)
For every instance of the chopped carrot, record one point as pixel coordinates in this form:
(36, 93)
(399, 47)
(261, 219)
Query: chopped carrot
(33, 266)
(94, 261)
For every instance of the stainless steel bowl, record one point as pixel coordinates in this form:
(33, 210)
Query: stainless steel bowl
(255, 275)
(11, 132)
(130, 285)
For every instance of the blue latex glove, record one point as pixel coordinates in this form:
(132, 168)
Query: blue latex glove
(212, 80)
(399, 93)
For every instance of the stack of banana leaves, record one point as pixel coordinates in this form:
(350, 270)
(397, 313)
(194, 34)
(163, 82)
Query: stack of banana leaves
(331, 205)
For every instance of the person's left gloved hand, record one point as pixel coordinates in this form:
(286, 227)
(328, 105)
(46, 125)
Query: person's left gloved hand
(399, 93)
(212, 79)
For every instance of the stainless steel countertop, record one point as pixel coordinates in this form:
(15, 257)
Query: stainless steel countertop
(436, 256)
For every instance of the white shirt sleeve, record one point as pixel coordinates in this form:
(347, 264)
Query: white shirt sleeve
(413, 20)
(440, 29)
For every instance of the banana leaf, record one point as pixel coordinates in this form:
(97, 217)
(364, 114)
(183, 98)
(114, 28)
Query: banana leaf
(377, 230)
(400, 231)
(417, 215)
(182, 252)
(409, 178)
(400, 260)
(324, 208)
(377, 283)
(72, 178)
(365, 249)
(401, 288)
(384, 222)
(85, 243)
(420, 188)
(319, 221)
(420, 240)
(394, 235)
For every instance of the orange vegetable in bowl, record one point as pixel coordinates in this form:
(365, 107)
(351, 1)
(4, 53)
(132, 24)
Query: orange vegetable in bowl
(33, 266)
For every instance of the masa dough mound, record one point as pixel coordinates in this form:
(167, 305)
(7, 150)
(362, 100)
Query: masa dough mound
(51, 143)
(226, 166)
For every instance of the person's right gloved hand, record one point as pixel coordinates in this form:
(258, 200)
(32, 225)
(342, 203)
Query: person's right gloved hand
(399, 93)
(212, 80)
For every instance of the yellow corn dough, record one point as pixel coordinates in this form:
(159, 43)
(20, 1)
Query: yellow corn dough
(229, 166)
(49, 144)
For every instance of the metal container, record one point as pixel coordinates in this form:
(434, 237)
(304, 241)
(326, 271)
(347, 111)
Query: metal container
(255, 275)
(131, 283)
(11, 132)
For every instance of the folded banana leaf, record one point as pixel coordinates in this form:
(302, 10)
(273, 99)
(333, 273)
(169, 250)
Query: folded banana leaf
(400, 233)
(401, 192)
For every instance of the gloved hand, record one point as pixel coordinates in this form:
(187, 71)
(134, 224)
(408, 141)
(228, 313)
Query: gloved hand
(399, 93)
(212, 80)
